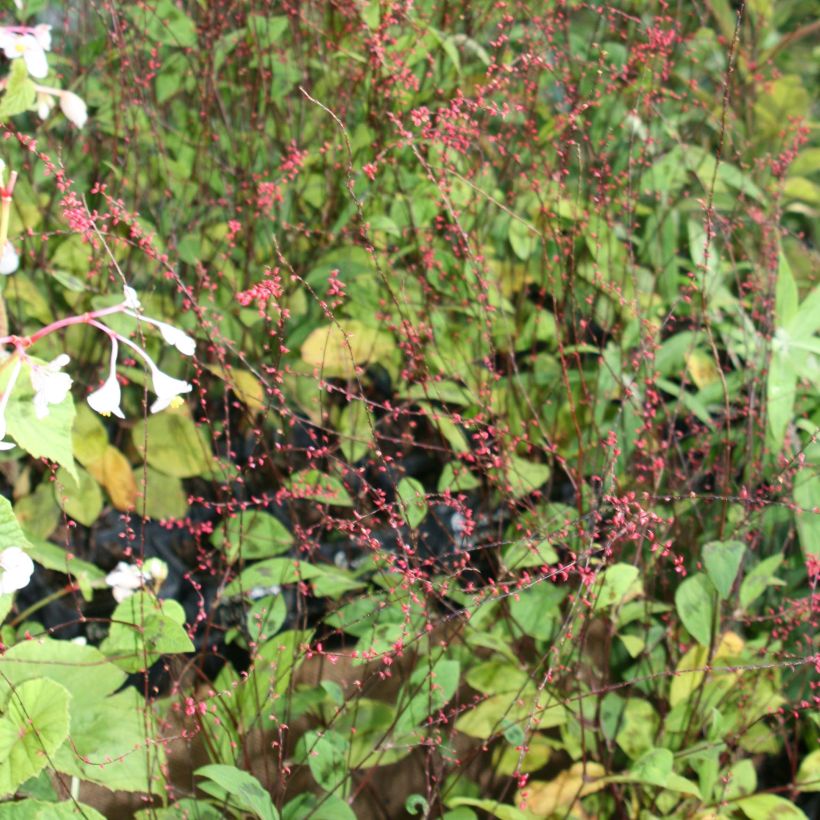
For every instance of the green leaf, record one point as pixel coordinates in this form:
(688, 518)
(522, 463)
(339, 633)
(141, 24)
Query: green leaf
(722, 560)
(337, 350)
(638, 727)
(252, 534)
(807, 498)
(808, 776)
(756, 581)
(318, 486)
(20, 91)
(43, 810)
(164, 23)
(42, 438)
(462, 481)
(81, 500)
(270, 573)
(413, 501)
(781, 387)
(769, 807)
(615, 584)
(175, 445)
(33, 726)
(522, 239)
(88, 436)
(104, 727)
(326, 754)
(160, 496)
(11, 534)
(355, 431)
(695, 604)
(244, 789)
(143, 628)
(326, 807)
(523, 477)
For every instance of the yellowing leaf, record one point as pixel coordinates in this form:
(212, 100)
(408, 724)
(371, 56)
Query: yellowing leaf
(544, 798)
(702, 368)
(247, 388)
(337, 349)
(114, 472)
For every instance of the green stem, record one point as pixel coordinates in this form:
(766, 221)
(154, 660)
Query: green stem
(55, 596)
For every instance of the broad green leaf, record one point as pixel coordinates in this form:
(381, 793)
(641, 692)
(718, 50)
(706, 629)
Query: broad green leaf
(273, 572)
(175, 445)
(616, 583)
(695, 605)
(160, 496)
(42, 438)
(756, 581)
(807, 498)
(44, 810)
(326, 807)
(523, 477)
(11, 534)
(81, 500)
(413, 501)
(164, 23)
(326, 754)
(20, 91)
(638, 727)
(781, 386)
(252, 534)
(142, 629)
(457, 480)
(88, 436)
(355, 431)
(33, 726)
(722, 560)
(337, 350)
(243, 788)
(808, 776)
(318, 486)
(769, 807)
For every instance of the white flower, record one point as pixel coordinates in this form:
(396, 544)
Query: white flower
(9, 259)
(50, 385)
(132, 301)
(16, 568)
(45, 102)
(27, 46)
(174, 336)
(125, 580)
(106, 400)
(74, 108)
(167, 388)
(42, 34)
(4, 400)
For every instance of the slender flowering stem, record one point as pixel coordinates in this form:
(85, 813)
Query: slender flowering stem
(83, 318)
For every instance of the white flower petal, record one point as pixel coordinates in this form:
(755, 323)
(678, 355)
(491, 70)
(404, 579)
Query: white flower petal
(174, 336)
(74, 108)
(9, 259)
(132, 300)
(42, 34)
(106, 400)
(33, 56)
(167, 389)
(16, 569)
(50, 385)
